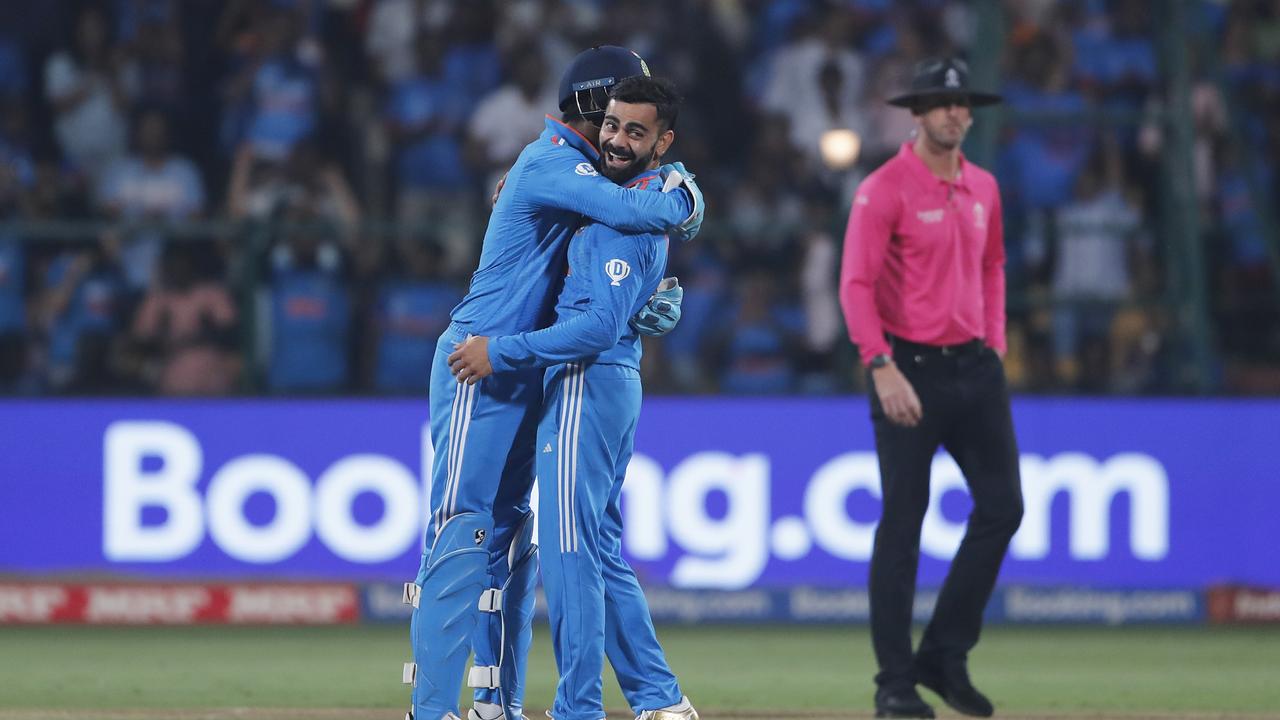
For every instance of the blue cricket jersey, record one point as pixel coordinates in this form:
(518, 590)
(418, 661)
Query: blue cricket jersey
(553, 184)
(611, 276)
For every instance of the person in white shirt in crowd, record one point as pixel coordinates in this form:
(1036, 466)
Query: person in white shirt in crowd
(152, 185)
(81, 84)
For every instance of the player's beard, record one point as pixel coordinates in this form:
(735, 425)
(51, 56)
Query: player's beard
(622, 174)
(945, 136)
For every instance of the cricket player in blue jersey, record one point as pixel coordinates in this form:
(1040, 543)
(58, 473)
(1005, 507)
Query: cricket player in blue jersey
(474, 587)
(587, 431)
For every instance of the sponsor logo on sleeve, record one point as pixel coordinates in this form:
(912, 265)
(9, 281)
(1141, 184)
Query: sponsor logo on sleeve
(585, 168)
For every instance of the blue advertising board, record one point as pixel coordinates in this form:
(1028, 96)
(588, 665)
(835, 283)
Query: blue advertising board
(723, 493)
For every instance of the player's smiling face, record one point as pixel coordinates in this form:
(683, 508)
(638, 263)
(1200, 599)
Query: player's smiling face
(631, 140)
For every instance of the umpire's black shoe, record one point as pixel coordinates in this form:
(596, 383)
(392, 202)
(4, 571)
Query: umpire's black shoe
(904, 703)
(953, 686)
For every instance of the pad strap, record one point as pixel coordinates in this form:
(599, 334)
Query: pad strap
(491, 600)
(412, 593)
(484, 676)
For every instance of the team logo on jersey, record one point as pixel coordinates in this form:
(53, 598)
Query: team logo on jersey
(585, 168)
(617, 270)
(979, 215)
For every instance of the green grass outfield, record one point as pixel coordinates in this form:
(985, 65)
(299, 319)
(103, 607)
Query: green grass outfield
(728, 671)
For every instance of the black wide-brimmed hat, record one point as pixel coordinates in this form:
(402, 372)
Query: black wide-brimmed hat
(945, 77)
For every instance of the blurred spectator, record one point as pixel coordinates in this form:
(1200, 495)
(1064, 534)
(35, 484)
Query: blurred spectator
(153, 185)
(824, 329)
(276, 95)
(261, 188)
(13, 66)
(309, 305)
(472, 63)
(412, 310)
(80, 313)
(765, 208)
(393, 29)
(81, 83)
(426, 114)
(705, 279)
(513, 115)
(1115, 57)
(186, 330)
(1098, 237)
(13, 287)
(887, 126)
(816, 82)
(1044, 156)
(153, 72)
(757, 347)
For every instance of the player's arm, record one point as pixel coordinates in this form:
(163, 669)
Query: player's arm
(993, 282)
(614, 258)
(566, 181)
(616, 269)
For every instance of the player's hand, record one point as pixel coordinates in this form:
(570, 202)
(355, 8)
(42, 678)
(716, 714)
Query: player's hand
(469, 362)
(660, 315)
(897, 397)
(675, 175)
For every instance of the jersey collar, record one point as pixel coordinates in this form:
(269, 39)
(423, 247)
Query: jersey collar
(922, 171)
(572, 137)
(644, 180)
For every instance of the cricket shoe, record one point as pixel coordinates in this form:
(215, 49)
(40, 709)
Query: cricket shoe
(489, 711)
(682, 710)
(901, 703)
(953, 686)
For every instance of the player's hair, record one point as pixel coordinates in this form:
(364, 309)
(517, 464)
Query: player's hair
(658, 92)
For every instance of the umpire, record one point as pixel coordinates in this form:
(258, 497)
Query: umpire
(922, 287)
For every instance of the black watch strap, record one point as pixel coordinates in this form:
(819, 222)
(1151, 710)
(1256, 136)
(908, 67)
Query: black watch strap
(880, 361)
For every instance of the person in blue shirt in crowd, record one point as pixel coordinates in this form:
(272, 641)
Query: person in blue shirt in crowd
(412, 310)
(478, 543)
(81, 313)
(310, 306)
(587, 431)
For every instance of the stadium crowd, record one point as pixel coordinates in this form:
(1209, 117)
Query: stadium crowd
(338, 157)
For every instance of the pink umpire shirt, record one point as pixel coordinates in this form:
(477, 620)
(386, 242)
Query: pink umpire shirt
(923, 257)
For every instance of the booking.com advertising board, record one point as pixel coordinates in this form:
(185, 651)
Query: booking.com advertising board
(723, 493)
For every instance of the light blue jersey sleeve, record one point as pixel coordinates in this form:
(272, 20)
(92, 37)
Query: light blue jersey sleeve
(617, 269)
(566, 181)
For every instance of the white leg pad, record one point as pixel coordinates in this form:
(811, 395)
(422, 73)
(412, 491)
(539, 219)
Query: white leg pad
(409, 674)
(411, 595)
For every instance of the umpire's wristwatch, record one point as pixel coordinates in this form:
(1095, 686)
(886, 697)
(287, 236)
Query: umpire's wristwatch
(880, 361)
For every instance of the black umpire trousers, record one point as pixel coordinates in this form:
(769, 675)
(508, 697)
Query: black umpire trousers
(966, 411)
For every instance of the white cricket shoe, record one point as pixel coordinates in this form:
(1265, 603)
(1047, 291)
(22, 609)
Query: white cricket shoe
(682, 710)
(489, 711)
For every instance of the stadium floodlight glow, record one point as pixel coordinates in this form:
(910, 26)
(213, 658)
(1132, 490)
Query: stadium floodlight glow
(840, 148)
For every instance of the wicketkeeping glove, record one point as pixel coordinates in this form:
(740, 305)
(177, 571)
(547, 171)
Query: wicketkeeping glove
(660, 315)
(674, 175)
